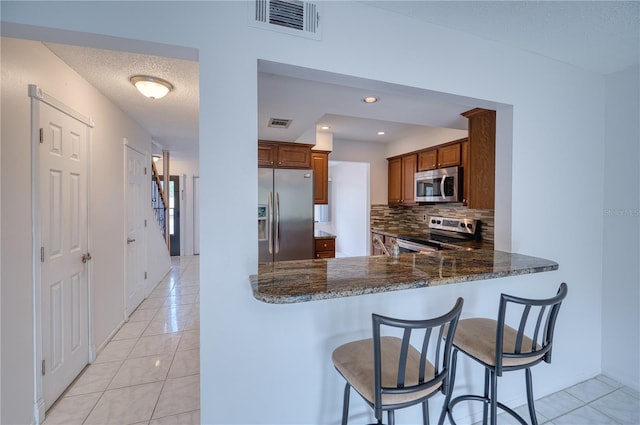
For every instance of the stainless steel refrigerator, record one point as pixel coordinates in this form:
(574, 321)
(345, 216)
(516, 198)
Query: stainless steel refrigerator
(285, 214)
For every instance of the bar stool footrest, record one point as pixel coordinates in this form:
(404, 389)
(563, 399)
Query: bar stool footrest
(485, 400)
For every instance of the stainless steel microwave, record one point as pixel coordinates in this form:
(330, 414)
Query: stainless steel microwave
(440, 185)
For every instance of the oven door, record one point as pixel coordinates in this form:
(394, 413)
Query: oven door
(414, 247)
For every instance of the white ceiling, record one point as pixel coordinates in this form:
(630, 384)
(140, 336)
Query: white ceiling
(598, 36)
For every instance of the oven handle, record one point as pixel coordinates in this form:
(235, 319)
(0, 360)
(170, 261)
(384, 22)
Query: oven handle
(414, 246)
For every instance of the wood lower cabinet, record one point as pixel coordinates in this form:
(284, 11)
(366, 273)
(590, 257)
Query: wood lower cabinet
(401, 175)
(325, 248)
(480, 170)
(283, 155)
(387, 241)
(320, 166)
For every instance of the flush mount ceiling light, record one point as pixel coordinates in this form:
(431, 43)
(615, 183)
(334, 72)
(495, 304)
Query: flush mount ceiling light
(370, 99)
(151, 87)
(325, 127)
(380, 133)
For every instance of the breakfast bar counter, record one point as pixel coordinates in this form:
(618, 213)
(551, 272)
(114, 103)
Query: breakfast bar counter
(310, 280)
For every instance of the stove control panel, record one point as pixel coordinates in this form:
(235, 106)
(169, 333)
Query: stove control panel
(459, 225)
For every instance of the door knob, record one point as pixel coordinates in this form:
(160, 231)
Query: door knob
(130, 240)
(86, 257)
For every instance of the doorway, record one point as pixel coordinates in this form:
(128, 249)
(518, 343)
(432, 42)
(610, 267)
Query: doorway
(174, 195)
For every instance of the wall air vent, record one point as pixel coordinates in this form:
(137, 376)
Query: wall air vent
(279, 123)
(294, 17)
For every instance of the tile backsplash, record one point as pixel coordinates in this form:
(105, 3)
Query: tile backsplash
(410, 217)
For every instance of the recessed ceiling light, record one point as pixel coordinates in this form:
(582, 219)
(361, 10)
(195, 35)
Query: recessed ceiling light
(370, 99)
(380, 133)
(151, 87)
(325, 127)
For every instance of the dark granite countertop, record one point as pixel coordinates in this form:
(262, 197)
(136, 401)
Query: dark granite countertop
(309, 280)
(321, 234)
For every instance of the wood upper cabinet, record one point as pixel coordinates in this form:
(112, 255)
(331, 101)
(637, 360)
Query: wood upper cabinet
(448, 155)
(320, 166)
(283, 155)
(480, 170)
(428, 160)
(409, 168)
(401, 174)
(395, 180)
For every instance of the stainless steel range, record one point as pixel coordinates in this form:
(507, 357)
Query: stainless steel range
(444, 233)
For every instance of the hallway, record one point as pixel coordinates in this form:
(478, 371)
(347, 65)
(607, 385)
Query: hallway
(149, 373)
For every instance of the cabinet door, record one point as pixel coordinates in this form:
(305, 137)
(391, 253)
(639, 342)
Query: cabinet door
(427, 160)
(320, 166)
(449, 156)
(482, 158)
(267, 153)
(294, 156)
(376, 249)
(409, 168)
(395, 181)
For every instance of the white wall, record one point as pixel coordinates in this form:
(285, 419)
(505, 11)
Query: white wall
(432, 137)
(374, 154)
(23, 63)
(350, 206)
(558, 114)
(621, 274)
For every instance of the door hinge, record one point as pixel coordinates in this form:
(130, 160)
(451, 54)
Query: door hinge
(145, 223)
(43, 367)
(41, 135)
(145, 275)
(145, 171)
(42, 254)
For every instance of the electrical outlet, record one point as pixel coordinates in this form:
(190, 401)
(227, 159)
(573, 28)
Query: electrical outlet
(424, 218)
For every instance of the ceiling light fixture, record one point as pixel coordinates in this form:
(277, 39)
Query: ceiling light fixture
(370, 99)
(380, 133)
(325, 127)
(151, 87)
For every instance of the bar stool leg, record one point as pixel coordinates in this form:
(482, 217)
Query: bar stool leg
(425, 413)
(391, 415)
(345, 404)
(485, 405)
(449, 389)
(530, 402)
(494, 397)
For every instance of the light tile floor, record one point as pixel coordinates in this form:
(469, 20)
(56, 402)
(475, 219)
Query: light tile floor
(149, 373)
(597, 401)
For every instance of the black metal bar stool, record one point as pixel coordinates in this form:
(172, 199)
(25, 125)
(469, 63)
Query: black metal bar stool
(500, 348)
(390, 373)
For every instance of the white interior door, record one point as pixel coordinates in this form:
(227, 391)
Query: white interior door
(63, 234)
(136, 261)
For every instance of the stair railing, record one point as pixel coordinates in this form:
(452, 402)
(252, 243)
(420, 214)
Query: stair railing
(158, 199)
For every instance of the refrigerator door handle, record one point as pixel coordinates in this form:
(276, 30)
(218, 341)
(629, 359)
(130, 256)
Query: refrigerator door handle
(270, 223)
(277, 238)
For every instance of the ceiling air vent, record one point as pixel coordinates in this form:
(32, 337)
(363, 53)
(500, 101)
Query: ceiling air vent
(279, 123)
(294, 17)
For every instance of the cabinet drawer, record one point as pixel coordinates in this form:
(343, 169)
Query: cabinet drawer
(325, 245)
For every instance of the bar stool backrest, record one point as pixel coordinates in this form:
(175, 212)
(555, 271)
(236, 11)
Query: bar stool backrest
(433, 339)
(532, 341)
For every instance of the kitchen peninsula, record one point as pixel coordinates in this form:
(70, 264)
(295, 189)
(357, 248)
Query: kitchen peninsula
(310, 280)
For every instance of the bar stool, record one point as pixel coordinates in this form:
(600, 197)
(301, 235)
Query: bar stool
(390, 373)
(501, 348)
